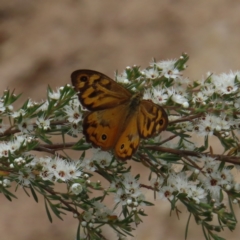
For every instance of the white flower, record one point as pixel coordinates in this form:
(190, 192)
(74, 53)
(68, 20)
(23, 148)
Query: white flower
(73, 170)
(44, 106)
(157, 183)
(76, 188)
(43, 123)
(54, 95)
(18, 113)
(139, 201)
(84, 224)
(4, 148)
(226, 177)
(75, 129)
(179, 182)
(196, 193)
(30, 103)
(208, 90)
(6, 182)
(19, 161)
(171, 73)
(88, 165)
(3, 127)
(179, 99)
(210, 165)
(121, 197)
(10, 108)
(133, 190)
(212, 184)
(46, 174)
(101, 211)
(25, 125)
(182, 80)
(122, 78)
(199, 97)
(88, 215)
(74, 103)
(205, 126)
(237, 187)
(176, 97)
(151, 73)
(2, 107)
(57, 169)
(168, 68)
(64, 170)
(102, 158)
(185, 105)
(73, 114)
(209, 123)
(224, 83)
(166, 192)
(157, 95)
(42, 162)
(19, 141)
(25, 177)
(128, 179)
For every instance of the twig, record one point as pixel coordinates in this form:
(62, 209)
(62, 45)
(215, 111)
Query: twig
(222, 158)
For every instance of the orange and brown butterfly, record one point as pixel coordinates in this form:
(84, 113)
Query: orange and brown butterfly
(117, 119)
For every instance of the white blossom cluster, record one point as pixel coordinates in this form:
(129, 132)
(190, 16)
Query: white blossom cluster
(211, 180)
(126, 187)
(218, 93)
(55, 169)
(213, 104)
(24, 128)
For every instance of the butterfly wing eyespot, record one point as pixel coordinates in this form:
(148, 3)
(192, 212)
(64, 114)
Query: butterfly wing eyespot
(84, 79)
(116, 120)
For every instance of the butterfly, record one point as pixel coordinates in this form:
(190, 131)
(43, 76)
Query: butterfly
(117, 119)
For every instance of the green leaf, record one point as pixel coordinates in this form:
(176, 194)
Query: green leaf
(78, 237)
(148, 203)
(8, 194)
(56, 210)
(47, 210)
(44, 138)
(33, 193)
(187, 226)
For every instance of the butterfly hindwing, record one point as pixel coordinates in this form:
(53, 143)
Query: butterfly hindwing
(152, 119)
(128, 140)
(102, 128)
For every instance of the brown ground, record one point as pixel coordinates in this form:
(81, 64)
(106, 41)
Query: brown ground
(42, 42)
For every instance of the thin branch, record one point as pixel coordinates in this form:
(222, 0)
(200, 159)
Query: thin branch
(222, 158)
(188, 118)
(168, 139)
(55, 146)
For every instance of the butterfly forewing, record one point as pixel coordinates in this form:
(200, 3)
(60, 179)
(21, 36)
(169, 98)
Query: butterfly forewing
(97, 91)
(152, 119)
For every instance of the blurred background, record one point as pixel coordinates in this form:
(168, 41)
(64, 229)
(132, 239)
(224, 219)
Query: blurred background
(43, 42)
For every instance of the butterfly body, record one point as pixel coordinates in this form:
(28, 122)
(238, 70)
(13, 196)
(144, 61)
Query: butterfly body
(117, 119)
